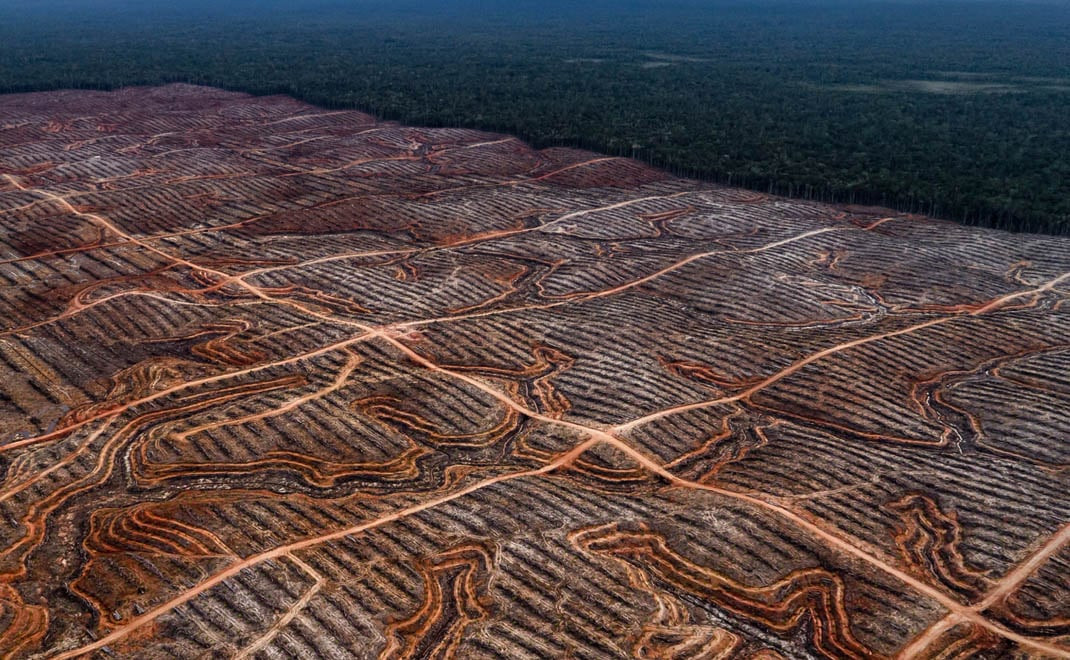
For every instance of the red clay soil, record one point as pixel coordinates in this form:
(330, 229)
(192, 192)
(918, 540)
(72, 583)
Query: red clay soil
(283, 382)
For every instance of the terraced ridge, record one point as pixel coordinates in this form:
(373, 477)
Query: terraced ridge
(284, 382)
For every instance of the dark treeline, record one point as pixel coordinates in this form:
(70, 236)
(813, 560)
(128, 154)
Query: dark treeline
(959, 109)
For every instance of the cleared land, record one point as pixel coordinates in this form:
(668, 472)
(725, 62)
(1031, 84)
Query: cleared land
(277, 381)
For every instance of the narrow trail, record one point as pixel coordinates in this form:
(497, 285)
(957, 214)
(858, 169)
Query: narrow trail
(334, 385)
(1023, 570)
(288, 549)
(1000, 590)
(291, 613)
(838, 348)
(60, 432)
(223, 278)
(127, 240)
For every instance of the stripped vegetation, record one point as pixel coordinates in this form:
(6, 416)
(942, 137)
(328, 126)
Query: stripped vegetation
(286, 382)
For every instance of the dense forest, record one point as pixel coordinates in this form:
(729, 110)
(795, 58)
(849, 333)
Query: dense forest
(955, 108)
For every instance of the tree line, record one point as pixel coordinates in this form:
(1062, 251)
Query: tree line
(957, 110)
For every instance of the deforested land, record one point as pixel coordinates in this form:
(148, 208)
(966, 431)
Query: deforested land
(279, 380)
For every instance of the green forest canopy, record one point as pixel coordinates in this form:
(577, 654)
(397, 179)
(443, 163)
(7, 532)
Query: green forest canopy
(956, 108)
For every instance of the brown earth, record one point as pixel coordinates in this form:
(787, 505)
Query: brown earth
(283, 382)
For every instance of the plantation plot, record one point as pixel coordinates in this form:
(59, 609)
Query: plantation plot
(283, 382)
